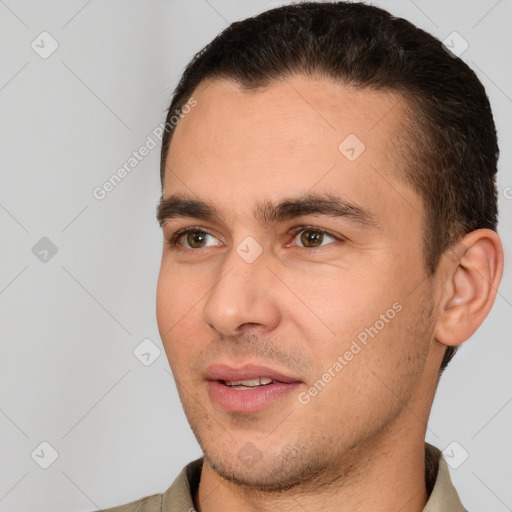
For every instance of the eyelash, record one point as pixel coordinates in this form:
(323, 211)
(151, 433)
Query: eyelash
(174, 239)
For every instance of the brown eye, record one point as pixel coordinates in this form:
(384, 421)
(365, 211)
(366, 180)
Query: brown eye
(192, 239)
(196, 239)
(312, 238)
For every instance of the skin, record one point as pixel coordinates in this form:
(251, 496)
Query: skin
(361, 438)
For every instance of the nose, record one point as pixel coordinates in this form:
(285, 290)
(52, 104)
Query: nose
(243, 297)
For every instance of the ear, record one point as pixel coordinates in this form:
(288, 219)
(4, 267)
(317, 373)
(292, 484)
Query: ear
(470, 286)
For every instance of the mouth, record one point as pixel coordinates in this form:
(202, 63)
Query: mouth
(247, 388)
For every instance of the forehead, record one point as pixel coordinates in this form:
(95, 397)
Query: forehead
(292, 137)
(291, 111)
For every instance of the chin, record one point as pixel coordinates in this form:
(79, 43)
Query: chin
(288, 469)
(258, 480)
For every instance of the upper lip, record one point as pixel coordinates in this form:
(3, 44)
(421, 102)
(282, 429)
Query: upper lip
(224, 372)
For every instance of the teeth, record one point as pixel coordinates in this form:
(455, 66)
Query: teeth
(249, 383)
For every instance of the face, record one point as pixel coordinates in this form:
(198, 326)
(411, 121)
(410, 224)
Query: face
(302, 266)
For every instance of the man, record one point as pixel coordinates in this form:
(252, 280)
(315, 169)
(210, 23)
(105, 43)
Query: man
(329, 214)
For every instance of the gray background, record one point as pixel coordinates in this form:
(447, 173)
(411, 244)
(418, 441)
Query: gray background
(69, 324)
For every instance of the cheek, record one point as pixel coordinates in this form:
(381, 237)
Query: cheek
(373, 367)
(178, 305)
(339, 305)
(165, 305)
(367, 320)
(177, 293)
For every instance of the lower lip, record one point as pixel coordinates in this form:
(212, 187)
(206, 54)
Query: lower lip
(248, 400)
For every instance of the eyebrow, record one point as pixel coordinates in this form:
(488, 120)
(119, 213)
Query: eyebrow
(269, 212)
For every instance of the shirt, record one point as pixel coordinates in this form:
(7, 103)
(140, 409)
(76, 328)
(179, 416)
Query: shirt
(178, 497)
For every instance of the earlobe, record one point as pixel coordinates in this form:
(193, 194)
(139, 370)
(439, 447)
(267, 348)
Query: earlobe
(471, 285)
